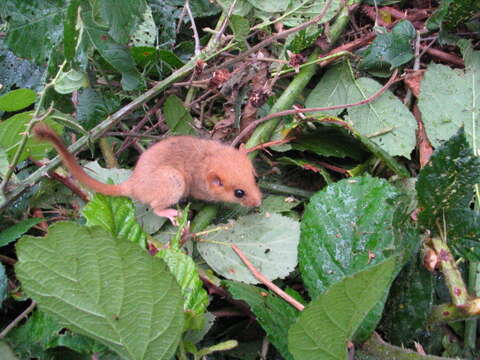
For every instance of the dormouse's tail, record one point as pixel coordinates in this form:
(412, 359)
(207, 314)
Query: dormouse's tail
(44, 133)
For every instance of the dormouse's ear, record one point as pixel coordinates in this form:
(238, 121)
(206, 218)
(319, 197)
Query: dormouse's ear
(214, 179)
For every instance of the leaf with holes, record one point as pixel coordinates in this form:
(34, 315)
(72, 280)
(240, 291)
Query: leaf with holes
(268, 241)
(329, 322)
(105, 288)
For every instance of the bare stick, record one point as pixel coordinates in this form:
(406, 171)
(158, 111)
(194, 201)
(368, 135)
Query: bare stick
(255, 123)
(194, 28)
(263, 279)
(19, 318)
(271, 39)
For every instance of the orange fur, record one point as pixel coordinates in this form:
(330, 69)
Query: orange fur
(175, 168)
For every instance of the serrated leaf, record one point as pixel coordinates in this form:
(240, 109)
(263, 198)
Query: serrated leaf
(14, 232)
(185, 271)
(270, 6)
(35, 27)
(117, 216)
(16, 100)
(11, 131)
(447, 182)
(177, 117)
(390, 49)
(3, 284)
(450, 13)
(298, 42)
(240, 27)
(145, 33)
(343, 226)
(449, 99)
(268, 241)
(325, 326)
(409, 304)
(273, 314)
(106, 288)
(68, 82)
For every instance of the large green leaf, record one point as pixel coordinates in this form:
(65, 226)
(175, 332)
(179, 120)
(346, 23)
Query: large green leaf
(325, 326)
(390, 49)
(463, 228)
(106, 288)
(342, 228)
(274, 314)
(449, 99)
(447, 182)
(185, 271)
(269, 241)
(117, 216)
(386, 121)
(11, 132)
(35, 27)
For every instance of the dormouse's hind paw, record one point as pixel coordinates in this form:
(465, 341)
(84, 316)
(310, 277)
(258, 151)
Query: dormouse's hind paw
(170, 214)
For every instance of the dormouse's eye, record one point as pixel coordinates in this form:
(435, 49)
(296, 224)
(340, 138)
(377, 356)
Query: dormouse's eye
(239, 193)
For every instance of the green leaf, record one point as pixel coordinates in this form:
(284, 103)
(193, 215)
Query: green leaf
(451, 13)
(328, 141)
(3, 284)
(11, 131)
(298, 42)
(177, 117)
(114, 53)
(17, 99)
(106, 288)
(447, 182)
(94, 107)
(70, 30)
(387, 122)
(42, 332)
(302, 11)
(390, 49)
(447, 108)
(240, 27)
(68, 82)
(278, 204)
(122, 17)
(117, 216)
(6, 351)
(195, 298)
(145, 33)
(325, 326)
(463, 229)
(409, 304)
(14, 232)
(35, 27)
(269, 241)
(274, 314)
(342, 227)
